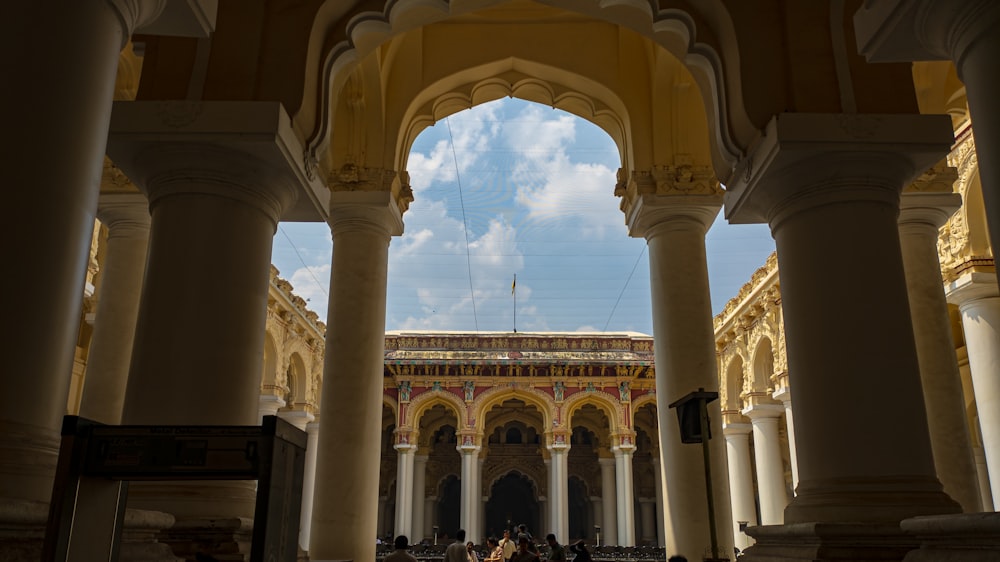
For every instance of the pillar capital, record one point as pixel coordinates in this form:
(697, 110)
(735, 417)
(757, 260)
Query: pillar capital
(245, 151)
(806, 160)
(124, 212)
(911, 30)
(269, 404)
(648, 214)
(926, 211)
(971, 287)
(374, 211)
(606, 462)
(299, 418)
(763, 410)
(733, 429)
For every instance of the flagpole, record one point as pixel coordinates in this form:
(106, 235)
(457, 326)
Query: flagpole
(513, 293)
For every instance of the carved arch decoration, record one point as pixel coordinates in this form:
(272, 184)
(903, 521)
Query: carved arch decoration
(269, 376)
(703, 38)
(392, 404)
(643, 399)
(532, 472)
(518, 78)
(732, 388)
(298, 379)
(495, 396)
(427, 400)
(606, 403)
(762, 364)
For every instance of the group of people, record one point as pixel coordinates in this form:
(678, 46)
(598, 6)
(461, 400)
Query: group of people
(505, 549)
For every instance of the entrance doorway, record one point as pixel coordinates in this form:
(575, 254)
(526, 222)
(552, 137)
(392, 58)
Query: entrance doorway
(513, 500)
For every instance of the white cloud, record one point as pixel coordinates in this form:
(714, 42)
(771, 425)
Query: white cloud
(312, 284)
(474, 131)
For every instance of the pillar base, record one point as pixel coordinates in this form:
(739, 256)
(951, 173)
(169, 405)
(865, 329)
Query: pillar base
(22, 532)
(828, 542)
(869, 500)
(967, 537)
(227, 540)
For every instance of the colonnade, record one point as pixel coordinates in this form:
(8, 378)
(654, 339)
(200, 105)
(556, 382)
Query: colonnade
(614, 511)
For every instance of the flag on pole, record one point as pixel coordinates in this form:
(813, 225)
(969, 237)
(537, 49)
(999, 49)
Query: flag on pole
(513, 285)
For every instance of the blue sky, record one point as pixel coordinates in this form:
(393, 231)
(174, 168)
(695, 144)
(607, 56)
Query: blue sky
(510, 187)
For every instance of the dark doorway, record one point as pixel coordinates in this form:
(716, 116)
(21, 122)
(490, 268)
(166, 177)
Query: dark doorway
(449, 506)
(513, 500)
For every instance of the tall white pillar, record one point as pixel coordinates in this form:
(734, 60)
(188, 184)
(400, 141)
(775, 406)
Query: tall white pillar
(80, 56)
(830, 194)
(609, 497)
(126, 216)
(470, 496)
(479, 537)
(772, 494)
(404, 489)
(920, 219)
(740, 480)
(661, 508)
(979, 302)
(985, 491)
(559, 491)
(783, 393)
(225, 191)
(308, 485)
(344, 510)
(625, 503)
(419, 493)
(674, 226)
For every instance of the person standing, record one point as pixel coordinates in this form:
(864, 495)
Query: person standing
(508, 545)
(470, 549)
(523, 554)
(556, 550)
(494, 551)
(400, 555)
(580, 549)
(456, 551)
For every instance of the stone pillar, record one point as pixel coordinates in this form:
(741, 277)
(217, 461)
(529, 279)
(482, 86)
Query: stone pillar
(920, 219)
(609, 491)
(559, 490)
(127, 217)
(308, 485)
(647, 525)
(57, 205)
(404, 489)
(218, 176)
(661, 508)
(674, 226)
(545, 513)
(772, 494)
(782, 393)
(470, 498)
(344, 516)
(419, 486)
(740, 480)
(828, 185)
(978, 300)
(626, 504)
(479, 536)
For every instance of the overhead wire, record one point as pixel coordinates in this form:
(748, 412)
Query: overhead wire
(627, 281)
(465, 223)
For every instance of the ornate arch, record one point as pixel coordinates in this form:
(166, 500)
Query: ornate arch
(269, 375)
(496, 395)
(641, 400)
(603, 401)
(762, 366)
(392, 404)
(493, 473)
(704, 40)
(733, 383)
(426, 400)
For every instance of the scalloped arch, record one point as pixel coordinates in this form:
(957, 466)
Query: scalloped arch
(496, 395)
(427, 400)
(603, 401)
(392, 404)
(673, 29)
